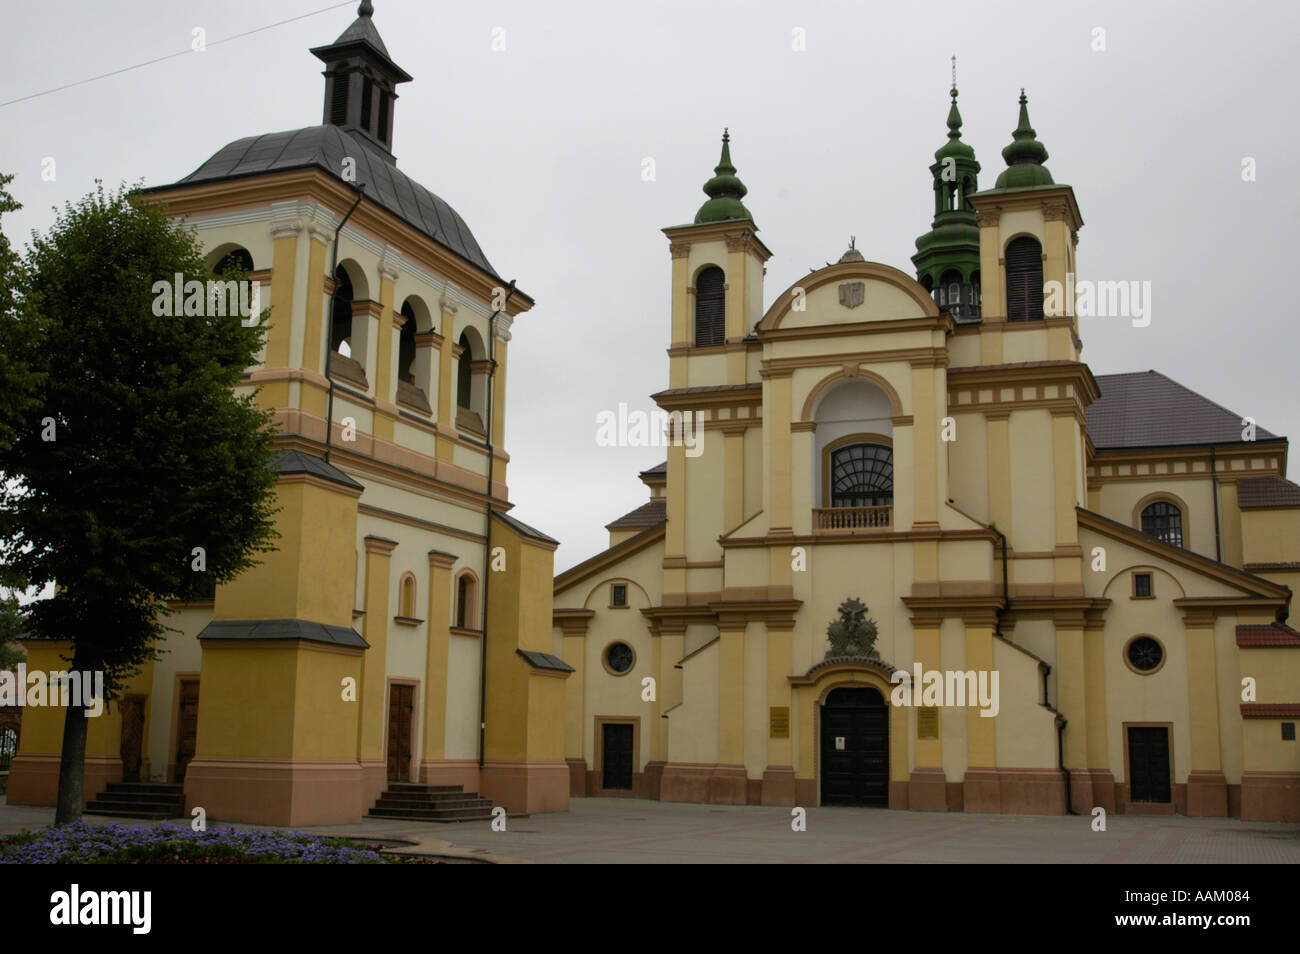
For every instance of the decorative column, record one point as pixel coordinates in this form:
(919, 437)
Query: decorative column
(385, 371)
(446, 409)
(374, 666)
(1207, 788)
(778, 776)
(436, 663)
(727, 784)
(981, 789)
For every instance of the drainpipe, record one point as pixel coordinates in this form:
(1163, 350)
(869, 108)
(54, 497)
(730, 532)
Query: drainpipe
(487, 544)
(1214, 489)
(1061, 723)
(329, 352)
(1006, 599)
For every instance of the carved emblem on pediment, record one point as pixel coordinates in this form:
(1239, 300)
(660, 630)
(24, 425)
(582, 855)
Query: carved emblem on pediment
(853, 294)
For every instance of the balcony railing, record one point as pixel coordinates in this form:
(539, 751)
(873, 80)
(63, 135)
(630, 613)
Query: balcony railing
(853, 518)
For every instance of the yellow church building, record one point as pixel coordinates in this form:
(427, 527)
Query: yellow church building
(392, 656)
(916, 554)
(1076, 587)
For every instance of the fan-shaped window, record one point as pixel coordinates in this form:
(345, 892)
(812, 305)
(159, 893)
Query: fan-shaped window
(710, 308)
(862, 475)
(1163, 521)
(1024, 279)
(341, 313)
(406, 346)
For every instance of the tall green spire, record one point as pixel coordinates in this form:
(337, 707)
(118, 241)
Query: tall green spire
(950, 252)
(725, 190)
(1025, 155)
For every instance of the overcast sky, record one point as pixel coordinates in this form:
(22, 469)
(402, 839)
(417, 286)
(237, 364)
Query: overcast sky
(540, 147)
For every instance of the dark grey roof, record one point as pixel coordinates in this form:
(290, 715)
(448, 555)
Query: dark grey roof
(523, 529)
(647, 515)
(1147, 409)
(283, 629)
(657, 469)
(544, 661)
(324, 148)
(296, 462)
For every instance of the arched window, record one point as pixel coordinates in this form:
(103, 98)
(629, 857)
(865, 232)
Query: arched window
(464, 373)
(406, 346)
(1024, 259)
(406, 596)
(1163, 521)
(466, 601)
(862, 475)
(710, 308)
(237, 258)
(341, 313)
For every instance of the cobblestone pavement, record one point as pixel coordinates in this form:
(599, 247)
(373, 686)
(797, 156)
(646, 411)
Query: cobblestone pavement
(617, 830)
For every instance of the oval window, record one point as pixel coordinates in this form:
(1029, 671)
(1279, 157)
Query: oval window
(619, 658)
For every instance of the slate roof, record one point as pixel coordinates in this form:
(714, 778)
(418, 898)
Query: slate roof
(283, 629)
(324, 148)
(544, 661)
(1147, 409)
(524, 529)
(1263, 492)
(296, 462)
(656, 470)
(647, 515)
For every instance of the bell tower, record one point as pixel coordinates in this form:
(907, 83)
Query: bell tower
(361, 81)
(718, 265)
(947, 257)
(1028, 231)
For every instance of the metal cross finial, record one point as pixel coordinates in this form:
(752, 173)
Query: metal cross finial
(954, 77)
(852, 240)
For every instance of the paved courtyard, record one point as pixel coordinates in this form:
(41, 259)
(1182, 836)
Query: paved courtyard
(617, 830)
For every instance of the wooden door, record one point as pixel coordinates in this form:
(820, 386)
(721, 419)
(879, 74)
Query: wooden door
(1148, 764)
(187, 727)
(855, 748)
(132, 743)
(616, 756)
(401, 707)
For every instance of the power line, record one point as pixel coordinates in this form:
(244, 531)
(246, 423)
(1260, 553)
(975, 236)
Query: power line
(169, 56)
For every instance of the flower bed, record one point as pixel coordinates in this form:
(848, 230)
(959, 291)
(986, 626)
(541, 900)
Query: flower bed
(80, 843)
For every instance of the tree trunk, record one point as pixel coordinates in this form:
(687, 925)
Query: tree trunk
(72, 764)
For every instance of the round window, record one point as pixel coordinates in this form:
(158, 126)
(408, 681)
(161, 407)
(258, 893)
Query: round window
(1145, 654)
(619, 658)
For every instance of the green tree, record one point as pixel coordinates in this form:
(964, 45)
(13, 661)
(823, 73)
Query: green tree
(138, 450)
(16, 380)
(13, 623)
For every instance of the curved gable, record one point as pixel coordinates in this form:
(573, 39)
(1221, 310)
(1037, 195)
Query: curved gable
(887, 294)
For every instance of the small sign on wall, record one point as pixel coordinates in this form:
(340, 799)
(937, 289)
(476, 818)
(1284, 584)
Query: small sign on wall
(778, 721)
(927, 722)
(839, 743)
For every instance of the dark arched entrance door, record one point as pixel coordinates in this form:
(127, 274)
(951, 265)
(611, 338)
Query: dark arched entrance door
(855, 748)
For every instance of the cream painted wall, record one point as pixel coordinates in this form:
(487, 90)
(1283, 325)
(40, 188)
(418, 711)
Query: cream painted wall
(968, 471)
(1025, 729)
(1119, 497)
(1032, 504)
(882, 301)
(693, 726)
(182, 652)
